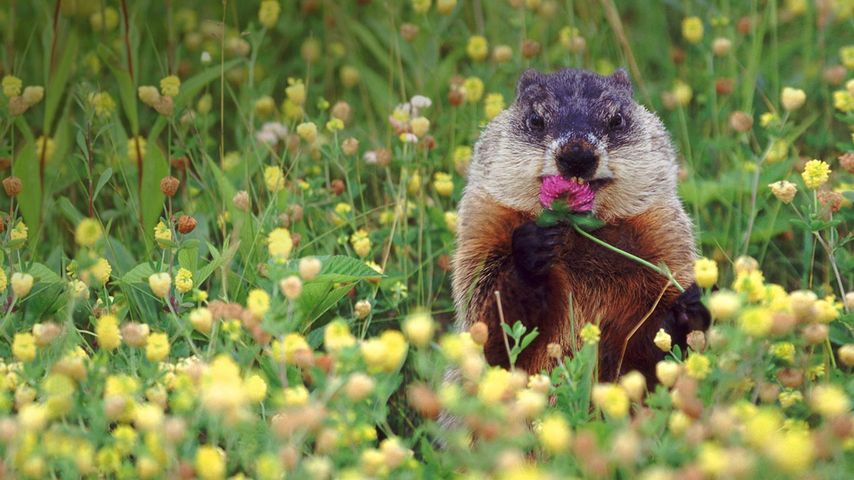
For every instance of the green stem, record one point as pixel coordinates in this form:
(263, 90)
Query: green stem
(662, 271)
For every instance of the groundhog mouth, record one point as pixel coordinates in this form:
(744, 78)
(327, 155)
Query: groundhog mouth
(595, 184)
(579, 194)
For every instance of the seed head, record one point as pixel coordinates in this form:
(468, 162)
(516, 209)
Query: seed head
(12, 185)
(479, 333)
(241, 200)
(169, 186)
(740, 121)
(186, 224)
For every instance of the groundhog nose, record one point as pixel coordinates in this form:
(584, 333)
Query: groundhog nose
(577, 161)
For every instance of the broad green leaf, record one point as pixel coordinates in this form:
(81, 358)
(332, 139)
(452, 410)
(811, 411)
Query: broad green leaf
(26, 167)
(138, 274)
(339, 268)
(43, 274)
(102, 180)
(59, 78)
(154, 168)
(188, 255)
(127, 92)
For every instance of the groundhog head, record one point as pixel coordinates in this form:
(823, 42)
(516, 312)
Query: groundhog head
(582, 126)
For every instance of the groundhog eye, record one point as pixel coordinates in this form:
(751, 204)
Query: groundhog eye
(536, 121)
(616, 122)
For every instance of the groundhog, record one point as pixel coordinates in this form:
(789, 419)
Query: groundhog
(586, 128)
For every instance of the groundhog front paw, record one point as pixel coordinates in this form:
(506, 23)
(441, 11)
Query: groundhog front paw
(686, 315)
(534, 248)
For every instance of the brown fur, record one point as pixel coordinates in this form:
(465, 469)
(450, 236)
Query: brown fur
(606, 287)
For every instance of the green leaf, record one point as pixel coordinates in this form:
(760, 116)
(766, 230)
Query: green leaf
(127, 92)
(26, 167)
(188, 255)
(154, 168)
(216, 262)
(138, 274)
(102, 180)
(317, 298)
(42, 274)
(527, 339)
(339, 268)
(59, 78)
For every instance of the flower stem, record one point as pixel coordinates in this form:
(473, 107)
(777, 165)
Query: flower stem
(665, 272)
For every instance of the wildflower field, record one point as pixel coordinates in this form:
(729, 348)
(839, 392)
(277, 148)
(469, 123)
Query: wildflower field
(227, 232)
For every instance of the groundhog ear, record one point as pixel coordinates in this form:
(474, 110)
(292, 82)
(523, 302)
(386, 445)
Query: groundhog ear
(621, 79)
(529, 77)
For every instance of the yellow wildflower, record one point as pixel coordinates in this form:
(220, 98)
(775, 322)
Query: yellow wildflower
(256, 388)
(692, 29)
(285, 350)
(750, 283)
(19, 232)
(274, 179)
(202, 320)
(361, 242)
(162, 234)
(792, 451)
(11, 86)
(337, 336)
(169, 86)
(268, 13)
(279, 244)
(843, 101)
(296, 91)
(662, 340)
(419, 328)
(335, 125)
(473, 88)
(451, 221)
(611, 399)
(420, 126)
(705, 272)
(160, 283)
(183, 280)
(210, 463)
(755, 321)
(493, 105)
(815, 174)
(24, 347)
(792, 98)
(829, 401)
(697, 366)
(157, 347)
(443, 184)
(421, 6)
(22, 283)
(554, 434)
(784, 351)
(307, 131)
(590, 334)
(386, 352)
(258, 302)
(88, 232)
(107, 330)
(477, 48)
(494, 386)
